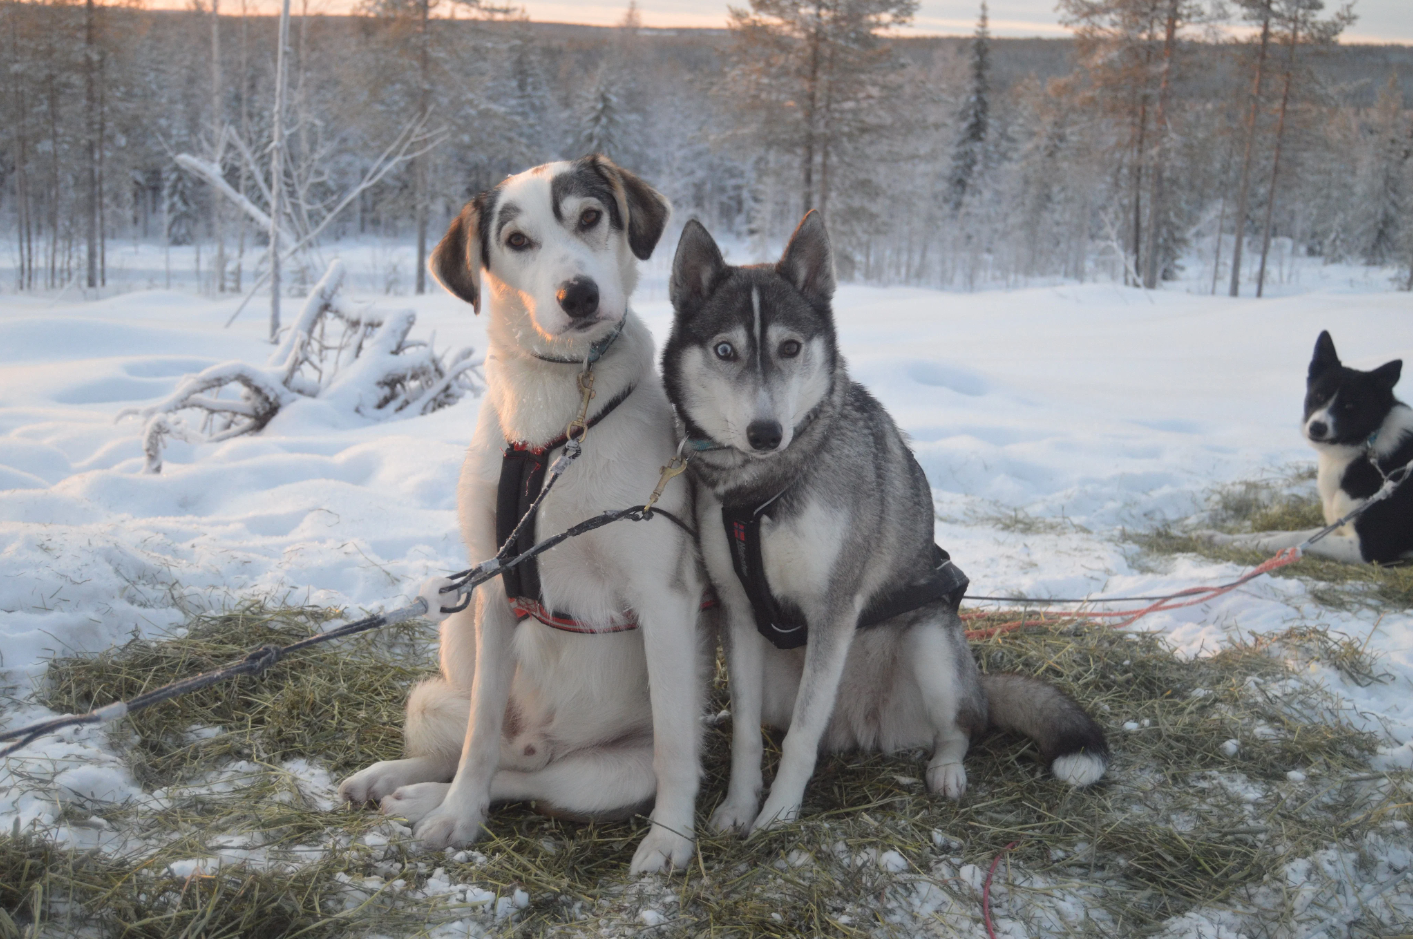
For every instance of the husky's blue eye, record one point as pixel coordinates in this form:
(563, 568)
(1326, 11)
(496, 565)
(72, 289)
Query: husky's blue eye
(789, 349)
(725, 351)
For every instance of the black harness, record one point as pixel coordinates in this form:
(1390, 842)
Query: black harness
(522, 476)
(783, 623)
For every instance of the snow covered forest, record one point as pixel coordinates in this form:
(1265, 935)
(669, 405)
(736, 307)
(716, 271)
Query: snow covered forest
(1166, 134)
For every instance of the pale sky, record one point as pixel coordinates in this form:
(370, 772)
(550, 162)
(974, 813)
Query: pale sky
(1379, 20)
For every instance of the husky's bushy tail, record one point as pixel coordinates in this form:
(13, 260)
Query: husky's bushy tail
(1071, 743)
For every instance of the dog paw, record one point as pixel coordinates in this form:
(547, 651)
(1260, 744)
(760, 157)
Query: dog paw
(734, 816)
(662, 850)
(374, 783)
(773, 815)
(947, 779)
(1214, 537)
(414, 802)
(447, 828)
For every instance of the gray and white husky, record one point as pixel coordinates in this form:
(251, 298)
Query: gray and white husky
(816, 526)
(529, 707)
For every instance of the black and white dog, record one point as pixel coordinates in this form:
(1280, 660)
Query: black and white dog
(1362, 433)
(815, 524)
(577, 683)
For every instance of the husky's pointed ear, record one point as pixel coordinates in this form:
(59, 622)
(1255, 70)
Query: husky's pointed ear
(457, 258)
(1325, 356)
(697, 269)
(647, 208)
(1388, 374)
(808, 261)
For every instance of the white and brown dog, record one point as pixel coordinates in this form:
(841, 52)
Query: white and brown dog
(576, 683)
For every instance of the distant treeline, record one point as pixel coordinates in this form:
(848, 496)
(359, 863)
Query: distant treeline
(1122, 153)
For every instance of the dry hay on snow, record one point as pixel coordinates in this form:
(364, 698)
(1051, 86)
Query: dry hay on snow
(1182, 822)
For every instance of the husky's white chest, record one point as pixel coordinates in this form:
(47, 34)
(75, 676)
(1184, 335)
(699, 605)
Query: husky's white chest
(799, 553)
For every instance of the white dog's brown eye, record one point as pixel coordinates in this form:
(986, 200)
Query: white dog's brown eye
(517, 241)
(725, 351)
(589, 218)
(789, 349)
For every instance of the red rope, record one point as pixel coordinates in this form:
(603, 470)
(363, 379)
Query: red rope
(1128, 617)
(986, 890)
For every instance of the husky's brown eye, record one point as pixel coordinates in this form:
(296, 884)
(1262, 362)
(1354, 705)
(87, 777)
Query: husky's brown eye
(589, 218)
(789, 349)
(517, 241)
(725, 351)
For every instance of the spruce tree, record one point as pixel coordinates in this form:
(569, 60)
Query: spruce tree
(968, 156)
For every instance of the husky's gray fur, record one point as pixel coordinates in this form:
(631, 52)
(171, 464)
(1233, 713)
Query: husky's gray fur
(753, 370)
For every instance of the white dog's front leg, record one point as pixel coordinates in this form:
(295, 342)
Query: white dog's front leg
(457, 821)
(825, 655)
(745, 663)
(668, 620)
(1258, 541)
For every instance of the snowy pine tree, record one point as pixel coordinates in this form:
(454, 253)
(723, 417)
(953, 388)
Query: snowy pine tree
(603, 123)
(968, 156)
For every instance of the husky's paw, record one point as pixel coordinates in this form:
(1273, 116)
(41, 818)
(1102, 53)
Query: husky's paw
(1079, 769)
(446, 827)
(376, 782)
(947, 779)
(662, 850)
(1215, 537)
(773, 815)
(414, 802)
(734, 816)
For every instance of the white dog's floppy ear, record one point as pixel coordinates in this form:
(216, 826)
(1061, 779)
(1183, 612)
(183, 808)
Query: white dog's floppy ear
(456, 260)
(1325, 357)
(697, 269)
(646, 208)
(808, 262)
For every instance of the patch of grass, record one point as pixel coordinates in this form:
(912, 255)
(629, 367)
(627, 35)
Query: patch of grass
(340, 702)
(1178, 823)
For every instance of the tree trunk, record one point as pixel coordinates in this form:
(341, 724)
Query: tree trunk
(1138, 183)
(1276, 161)
(277, 173)
(1152, 270)
(419, 168)
(217, 127)
(811, 107)
(90, 76)
(1243, 189)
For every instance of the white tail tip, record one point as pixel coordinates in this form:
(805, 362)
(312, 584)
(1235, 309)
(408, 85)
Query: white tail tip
(1079, 769)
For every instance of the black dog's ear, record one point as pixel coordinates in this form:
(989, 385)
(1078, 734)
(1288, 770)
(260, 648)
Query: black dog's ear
(1388, 374)
(697, 269)
(456, 260)
(1325, 356)
(646, 208)
(808, 262)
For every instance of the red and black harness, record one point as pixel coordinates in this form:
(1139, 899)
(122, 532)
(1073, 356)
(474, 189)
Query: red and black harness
(783, 623)
(522, 476)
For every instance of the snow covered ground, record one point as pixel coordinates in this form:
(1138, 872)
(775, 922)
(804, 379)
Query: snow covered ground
(1109, 407)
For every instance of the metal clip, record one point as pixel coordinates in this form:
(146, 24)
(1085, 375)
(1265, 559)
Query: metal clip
(578, 428)
(675, 467)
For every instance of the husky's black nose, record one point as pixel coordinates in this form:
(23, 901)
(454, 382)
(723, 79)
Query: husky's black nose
(579, 297)
(763, 435)
(1318, 430)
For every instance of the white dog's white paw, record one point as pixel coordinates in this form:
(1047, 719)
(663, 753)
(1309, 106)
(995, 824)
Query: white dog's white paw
(414, 802)
(662, 850)
(446, 827)
(774, 814)
(376, 782)
(947, 779)
(734, 816)
(1079, 769)
(1215, 537)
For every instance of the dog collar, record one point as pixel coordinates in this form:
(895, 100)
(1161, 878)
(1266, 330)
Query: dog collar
(597, 350)
(1373, 439)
